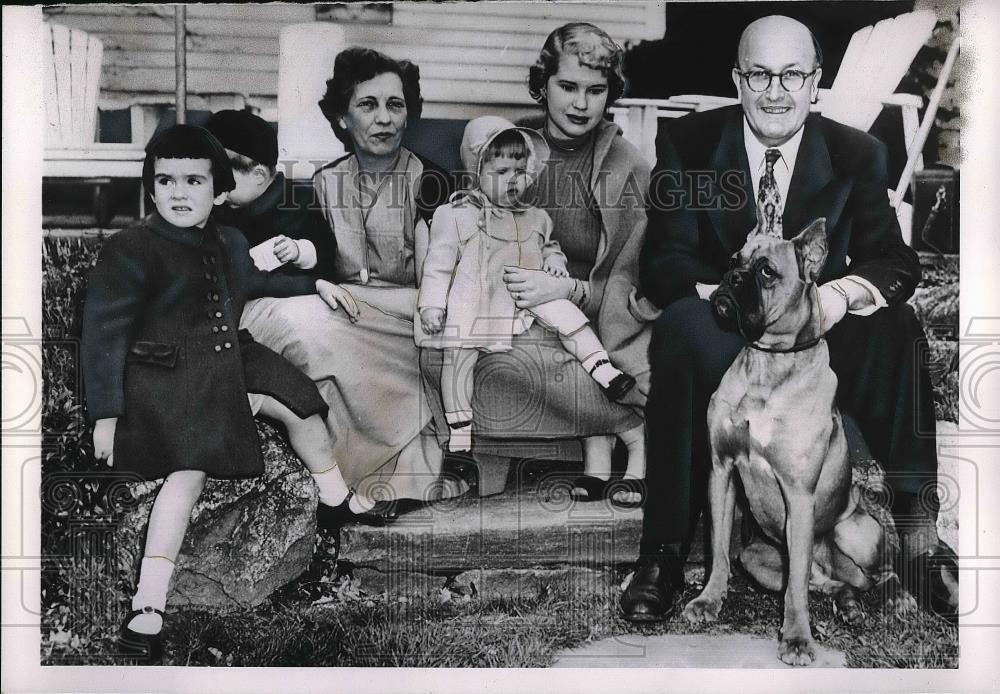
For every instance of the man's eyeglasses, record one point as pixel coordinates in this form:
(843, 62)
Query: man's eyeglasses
(760, 80)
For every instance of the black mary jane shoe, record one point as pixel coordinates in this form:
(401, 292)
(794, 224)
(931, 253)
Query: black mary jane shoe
(628, 486)
(620, 385)
(594, 487)
(146, 649)
(333, 518)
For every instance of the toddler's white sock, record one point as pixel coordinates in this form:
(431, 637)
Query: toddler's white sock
(603, 374)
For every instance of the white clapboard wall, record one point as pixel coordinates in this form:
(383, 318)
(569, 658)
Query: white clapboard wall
(469, 53)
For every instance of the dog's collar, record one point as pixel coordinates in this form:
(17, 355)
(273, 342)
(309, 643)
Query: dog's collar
(801, 347)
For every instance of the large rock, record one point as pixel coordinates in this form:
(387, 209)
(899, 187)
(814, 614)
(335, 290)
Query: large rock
(246, 537)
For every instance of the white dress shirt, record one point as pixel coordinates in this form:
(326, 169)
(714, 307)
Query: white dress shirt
(783, 169)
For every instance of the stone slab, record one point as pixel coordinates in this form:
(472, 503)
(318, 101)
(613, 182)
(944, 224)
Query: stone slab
(690, 650)
(537, 526)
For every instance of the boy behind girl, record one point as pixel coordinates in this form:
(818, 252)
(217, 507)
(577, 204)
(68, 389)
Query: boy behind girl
(266, 206)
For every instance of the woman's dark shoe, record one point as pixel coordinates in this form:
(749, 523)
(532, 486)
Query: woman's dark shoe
(594, 487)
(392, 510)
(145, 648)
(932, 579)
(650, 595)
(333, 518)
(626, 486)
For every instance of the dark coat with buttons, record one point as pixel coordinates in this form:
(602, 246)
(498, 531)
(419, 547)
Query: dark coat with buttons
(162, 351)
(702, 205)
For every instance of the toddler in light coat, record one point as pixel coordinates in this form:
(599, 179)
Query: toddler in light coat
(465, 306)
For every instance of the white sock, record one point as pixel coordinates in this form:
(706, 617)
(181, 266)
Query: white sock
(359, 504)
(154, 580)
(331, 486)
(603, 374)
(461, 438)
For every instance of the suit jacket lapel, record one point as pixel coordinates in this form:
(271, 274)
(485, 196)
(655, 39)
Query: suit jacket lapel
(813, 172)
(732, 225)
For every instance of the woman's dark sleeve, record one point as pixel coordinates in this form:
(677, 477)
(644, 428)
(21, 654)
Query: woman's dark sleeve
(116, 295)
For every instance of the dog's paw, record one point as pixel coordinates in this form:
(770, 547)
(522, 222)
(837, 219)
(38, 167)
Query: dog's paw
(848, 608)
(797, 651)
(901, 604)
(702, 610)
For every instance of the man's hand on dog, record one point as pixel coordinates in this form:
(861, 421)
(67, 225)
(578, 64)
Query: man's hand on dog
(832, 305)
(838, 297)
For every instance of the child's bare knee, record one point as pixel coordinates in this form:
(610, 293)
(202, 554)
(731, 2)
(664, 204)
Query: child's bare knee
(188, 480)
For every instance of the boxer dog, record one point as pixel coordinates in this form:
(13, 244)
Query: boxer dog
(774, 419)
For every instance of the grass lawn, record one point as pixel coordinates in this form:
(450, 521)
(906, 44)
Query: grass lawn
(326, 620)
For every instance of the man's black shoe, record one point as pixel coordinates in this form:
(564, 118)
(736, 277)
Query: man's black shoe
(650, 595)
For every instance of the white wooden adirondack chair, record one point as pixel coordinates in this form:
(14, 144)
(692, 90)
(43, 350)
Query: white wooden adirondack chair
(72, 80)
(72, 77)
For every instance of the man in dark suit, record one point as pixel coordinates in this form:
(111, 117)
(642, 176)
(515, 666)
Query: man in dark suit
(713, 170)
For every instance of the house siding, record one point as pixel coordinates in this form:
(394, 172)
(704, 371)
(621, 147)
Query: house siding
(468, 53)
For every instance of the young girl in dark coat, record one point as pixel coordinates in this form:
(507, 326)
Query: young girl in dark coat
(172, 384)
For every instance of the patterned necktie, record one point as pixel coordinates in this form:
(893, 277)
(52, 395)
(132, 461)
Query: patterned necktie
(769, 197)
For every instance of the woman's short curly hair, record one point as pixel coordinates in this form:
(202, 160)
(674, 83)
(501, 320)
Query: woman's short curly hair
(353, 66)
(591, 45)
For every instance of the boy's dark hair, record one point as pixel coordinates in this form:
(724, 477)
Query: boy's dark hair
(248, 135)
(244, 164)
(353, 66)
(509, 143)
(189, 142)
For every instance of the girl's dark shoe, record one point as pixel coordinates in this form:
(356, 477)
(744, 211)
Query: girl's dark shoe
(333, 518)
(147, 649)
(594, 486)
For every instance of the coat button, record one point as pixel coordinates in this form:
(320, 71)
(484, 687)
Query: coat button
(218, 314)
(218, 348)
(215, 328)
(225, 328)
(211, 296)
(228, 345)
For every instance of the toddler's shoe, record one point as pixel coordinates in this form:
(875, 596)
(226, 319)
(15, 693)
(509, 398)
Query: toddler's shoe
(619, 387)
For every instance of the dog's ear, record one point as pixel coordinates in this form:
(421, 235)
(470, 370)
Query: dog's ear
(810, 250)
